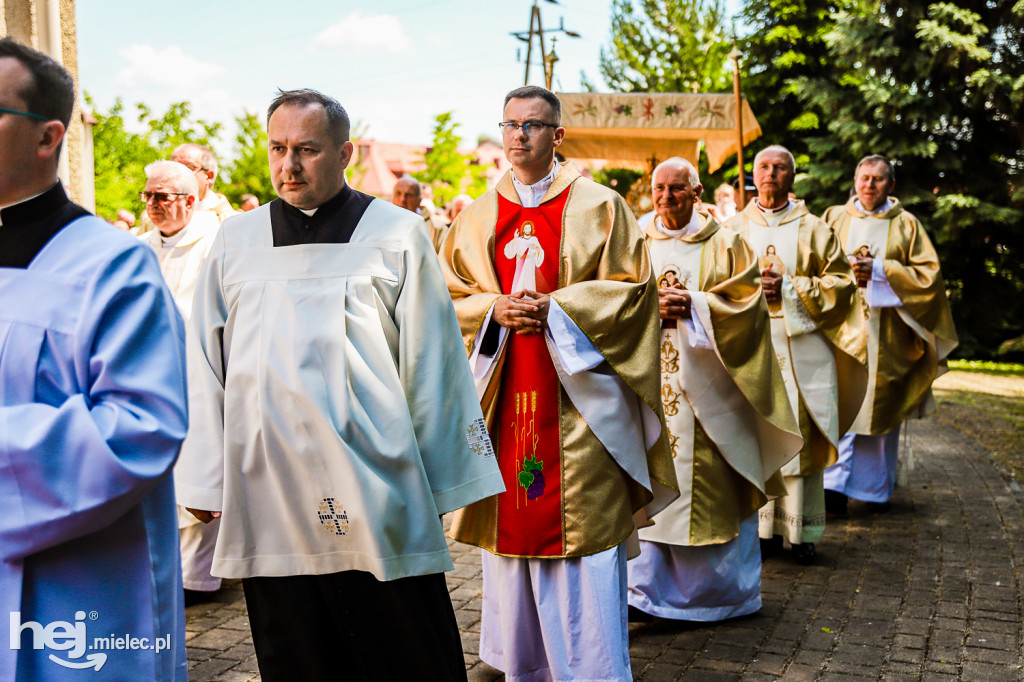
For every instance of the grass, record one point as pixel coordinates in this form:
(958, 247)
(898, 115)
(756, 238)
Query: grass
(988, 367)
(996, 422)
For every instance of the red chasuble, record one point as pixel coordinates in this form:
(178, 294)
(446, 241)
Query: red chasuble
(526, 421)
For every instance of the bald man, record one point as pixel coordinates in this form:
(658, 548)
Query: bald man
(408, 194)
(729, 419)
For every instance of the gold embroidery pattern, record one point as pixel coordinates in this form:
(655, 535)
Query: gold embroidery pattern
(478, 438)
(333, 517)
(673, 443)
(670, 399)
(669, 358)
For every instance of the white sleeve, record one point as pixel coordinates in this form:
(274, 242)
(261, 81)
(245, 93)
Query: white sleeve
(798, 320)
(451, 432)
(879, 293)
(480, 364)
(575, 351)
(199, 474)
(698, 335)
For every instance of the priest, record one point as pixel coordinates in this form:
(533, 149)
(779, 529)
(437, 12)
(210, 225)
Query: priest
(818, 336)
(553, 289)
(181, 238)
(334, 418)
(92, 414)
(909, 325)
(731, 427)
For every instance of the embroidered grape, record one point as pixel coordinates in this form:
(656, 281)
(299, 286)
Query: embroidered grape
(536, 488)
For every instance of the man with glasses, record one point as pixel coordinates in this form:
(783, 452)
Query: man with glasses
(559, 313)
(182, 238)
(92, 413)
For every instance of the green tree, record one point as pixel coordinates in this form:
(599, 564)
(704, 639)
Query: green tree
(121, 155)
(249, 172)
(937, 87)
(667, 46)
(787, 42)
(449, 172)
(120, 159)
(176, 126)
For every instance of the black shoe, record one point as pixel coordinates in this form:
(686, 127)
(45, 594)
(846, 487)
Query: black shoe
(635, 615)
(804, 553)
(193, 597)
(878, 507)
(835, 503)
(771, 546)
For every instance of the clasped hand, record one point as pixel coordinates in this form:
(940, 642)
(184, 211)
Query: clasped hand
(771, 283)
(674, 302)
(863, 267)
(525, 312)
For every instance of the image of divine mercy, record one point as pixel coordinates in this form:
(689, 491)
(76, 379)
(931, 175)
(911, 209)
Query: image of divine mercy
(529, 255)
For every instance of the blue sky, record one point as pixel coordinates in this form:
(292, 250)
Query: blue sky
(393, 64)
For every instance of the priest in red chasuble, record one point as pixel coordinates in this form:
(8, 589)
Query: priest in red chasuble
(559, 312)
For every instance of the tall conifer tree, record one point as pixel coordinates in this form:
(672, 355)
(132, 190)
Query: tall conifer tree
(938, 88)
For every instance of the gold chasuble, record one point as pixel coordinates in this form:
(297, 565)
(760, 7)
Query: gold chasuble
(572, 487)
(822, 326)
(907, 344)
(729, 418)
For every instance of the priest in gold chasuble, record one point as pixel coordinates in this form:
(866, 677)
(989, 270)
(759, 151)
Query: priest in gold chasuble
(553, 289)
(909, 326)
(730, 423)
(818, 334)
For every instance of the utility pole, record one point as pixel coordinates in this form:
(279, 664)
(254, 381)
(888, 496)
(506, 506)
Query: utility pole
(735, 57)
(537, 29)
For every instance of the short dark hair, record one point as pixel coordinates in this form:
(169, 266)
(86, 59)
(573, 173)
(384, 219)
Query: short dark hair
(537, 92)
(875, 159)
(52, 90)
(337, 119)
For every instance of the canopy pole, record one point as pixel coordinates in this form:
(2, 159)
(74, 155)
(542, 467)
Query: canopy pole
(735, 57)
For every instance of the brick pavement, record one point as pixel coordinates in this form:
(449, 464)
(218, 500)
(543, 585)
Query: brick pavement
(929, 590)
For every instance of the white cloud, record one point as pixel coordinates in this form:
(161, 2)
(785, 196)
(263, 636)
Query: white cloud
(160, 77)
(168, 69)
(374, 33)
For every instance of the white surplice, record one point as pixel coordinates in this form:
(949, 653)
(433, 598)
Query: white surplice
(334, 415)
(181, 257)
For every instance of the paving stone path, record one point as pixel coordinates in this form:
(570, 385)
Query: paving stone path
(928, 590)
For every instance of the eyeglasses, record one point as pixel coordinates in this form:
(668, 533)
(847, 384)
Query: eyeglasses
(160, 197)
(29, 114)
(528, 128)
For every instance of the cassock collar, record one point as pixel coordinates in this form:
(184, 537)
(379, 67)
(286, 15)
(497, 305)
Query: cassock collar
(333, 222)
(35, 207)
(701, 226)
(772, 211)
(892, 209)
(884, 208)
(29, 225)
(690, 228)
(531, 195)
(323, 210)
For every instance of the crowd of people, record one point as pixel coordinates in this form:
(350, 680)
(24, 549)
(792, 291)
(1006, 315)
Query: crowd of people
(624, 419)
